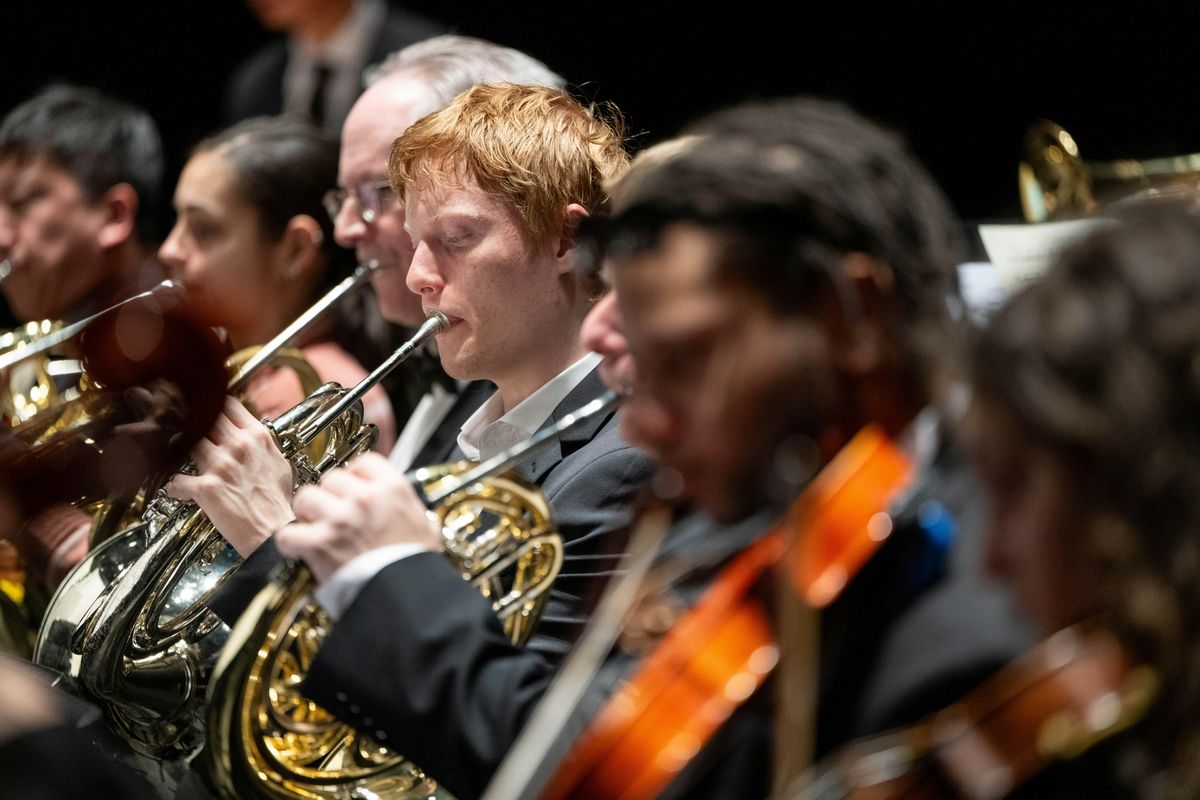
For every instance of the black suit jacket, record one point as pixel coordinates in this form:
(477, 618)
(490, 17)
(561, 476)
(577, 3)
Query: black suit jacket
(420, 661)
(256, 86)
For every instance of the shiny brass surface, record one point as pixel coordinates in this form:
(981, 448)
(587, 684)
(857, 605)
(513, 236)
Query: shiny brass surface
(266, 740)
(29, 387)
(130, 627)
(1056, 183)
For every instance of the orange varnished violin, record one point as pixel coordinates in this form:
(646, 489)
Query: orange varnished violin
(1075, 689)
(722, 650)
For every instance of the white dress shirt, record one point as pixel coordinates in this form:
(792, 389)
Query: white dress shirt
(487, 432)
(483, 435)
(424, 420)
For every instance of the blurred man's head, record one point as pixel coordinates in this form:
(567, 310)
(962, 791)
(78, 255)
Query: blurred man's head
(80, 174)
(780, 279)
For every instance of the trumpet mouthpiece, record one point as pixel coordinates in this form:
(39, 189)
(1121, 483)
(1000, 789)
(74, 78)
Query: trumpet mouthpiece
(442, 324)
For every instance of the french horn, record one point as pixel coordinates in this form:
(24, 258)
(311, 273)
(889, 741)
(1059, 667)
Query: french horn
(267, 741)
(108, 518)
(64, 389)
(30, 385)
(129, 627)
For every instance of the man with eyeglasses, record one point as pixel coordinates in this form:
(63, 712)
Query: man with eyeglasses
(410, 84)
(413, 83)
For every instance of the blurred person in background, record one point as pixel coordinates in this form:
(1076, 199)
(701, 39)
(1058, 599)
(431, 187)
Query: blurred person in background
(314, 71)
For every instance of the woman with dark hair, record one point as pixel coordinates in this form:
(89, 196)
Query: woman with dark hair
(254, 247)
(1086, 429)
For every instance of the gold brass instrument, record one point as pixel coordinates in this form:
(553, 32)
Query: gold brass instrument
(136, 342)
(44, 396)
(109, 515)
(265, 740)
(30, 387)
(29, 372)
(1056, 183)
(109, 518)
(128, 625)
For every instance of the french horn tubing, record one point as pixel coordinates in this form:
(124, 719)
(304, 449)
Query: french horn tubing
(267, 741)
(129, 626)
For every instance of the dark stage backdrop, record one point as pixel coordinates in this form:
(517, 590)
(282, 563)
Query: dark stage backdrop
(961, 83)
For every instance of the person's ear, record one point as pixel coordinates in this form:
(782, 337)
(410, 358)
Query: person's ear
(119, 205)
(574, 215)
(865, 290)
(299, 249)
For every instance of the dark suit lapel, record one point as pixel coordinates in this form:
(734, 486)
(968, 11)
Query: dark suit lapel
(401, 28)
(549, 456)
(444, 439)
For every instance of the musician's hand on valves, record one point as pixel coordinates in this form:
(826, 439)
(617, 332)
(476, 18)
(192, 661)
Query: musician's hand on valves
(244, 483)
(364, 506)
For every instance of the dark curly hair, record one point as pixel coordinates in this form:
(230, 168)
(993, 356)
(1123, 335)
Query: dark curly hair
(794, 185)
(1100, 362)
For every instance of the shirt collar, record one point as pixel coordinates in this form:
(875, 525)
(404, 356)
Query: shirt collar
(486, 432)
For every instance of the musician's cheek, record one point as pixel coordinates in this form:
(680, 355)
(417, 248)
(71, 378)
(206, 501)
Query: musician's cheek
(1035, 545)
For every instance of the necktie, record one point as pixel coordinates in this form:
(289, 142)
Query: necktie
(316, 106)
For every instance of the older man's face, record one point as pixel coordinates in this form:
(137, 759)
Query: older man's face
(379, 117)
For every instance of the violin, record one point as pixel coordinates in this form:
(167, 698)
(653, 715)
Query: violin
(720, 652)
(1074, 690)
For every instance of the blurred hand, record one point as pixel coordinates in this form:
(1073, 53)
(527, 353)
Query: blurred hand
(156, 413)
(363, 506)
(53, 541)
(27, 703)
(244, 483)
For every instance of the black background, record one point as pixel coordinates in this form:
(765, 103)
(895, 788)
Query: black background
(962, 83)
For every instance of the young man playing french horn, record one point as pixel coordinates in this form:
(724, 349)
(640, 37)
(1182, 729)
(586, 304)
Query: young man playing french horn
(493, 252)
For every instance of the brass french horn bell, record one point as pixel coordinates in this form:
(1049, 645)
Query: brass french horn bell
(130, 627)
(156, 385)
(153, 396)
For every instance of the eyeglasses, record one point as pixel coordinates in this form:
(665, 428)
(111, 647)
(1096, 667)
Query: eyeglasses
(371, 198)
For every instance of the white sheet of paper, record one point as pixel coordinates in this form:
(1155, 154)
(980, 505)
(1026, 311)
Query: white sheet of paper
(1022, 252)
(981, 289)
